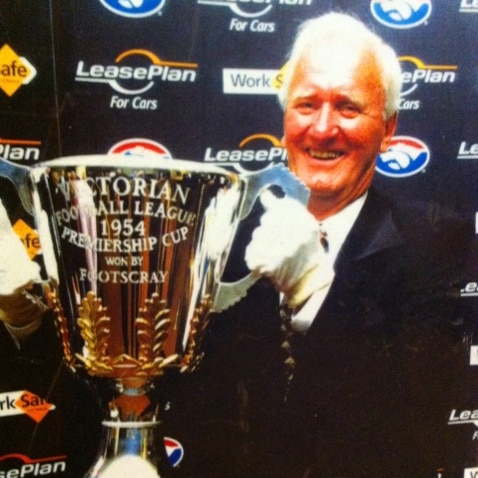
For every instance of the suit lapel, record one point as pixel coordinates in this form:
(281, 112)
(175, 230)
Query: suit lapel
(356, 268)
(373, 231)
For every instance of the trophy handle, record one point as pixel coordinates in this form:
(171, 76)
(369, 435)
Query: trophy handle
(276, 175)
(19, 176)
(227, 294)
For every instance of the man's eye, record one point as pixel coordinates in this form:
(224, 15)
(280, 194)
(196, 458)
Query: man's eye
(304, 106)
(349, 109)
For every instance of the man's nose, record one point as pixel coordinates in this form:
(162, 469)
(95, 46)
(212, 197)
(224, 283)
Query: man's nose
(324, 122)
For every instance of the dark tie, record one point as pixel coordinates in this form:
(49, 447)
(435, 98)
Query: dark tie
(292, 339)
(291, 345)
(323, 238)
(287, 331)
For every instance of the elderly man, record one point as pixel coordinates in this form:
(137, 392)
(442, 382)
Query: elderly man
(357, 375)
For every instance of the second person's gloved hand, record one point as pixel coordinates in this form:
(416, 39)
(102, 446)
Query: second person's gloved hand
(17, 274)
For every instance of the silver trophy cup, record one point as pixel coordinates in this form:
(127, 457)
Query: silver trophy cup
(133, 250)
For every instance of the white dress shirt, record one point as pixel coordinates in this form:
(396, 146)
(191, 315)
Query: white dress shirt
(337, 228)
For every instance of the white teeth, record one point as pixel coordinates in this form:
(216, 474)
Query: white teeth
(324, 154)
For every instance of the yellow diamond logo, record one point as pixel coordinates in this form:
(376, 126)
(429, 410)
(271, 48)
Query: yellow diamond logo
(15, 70)
(28, 236)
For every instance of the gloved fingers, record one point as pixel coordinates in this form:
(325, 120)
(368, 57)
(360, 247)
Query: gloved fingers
(269, 200)
(281, 257)
(286, 212)
(20, 308)
(5, 225)
(16, 268)
(16, 275)
(261, 256)
(286, 236)
(316, 278)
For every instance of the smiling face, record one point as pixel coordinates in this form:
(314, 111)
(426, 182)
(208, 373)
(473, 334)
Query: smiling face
(334, 126)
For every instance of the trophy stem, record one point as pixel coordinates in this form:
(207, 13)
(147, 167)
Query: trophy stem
(129, 443)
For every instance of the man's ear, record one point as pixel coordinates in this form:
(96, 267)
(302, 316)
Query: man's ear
(390, 127)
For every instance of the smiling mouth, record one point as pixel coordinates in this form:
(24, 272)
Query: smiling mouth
(324, 154)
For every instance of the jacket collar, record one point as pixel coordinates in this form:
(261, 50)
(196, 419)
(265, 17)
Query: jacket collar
(373, 231)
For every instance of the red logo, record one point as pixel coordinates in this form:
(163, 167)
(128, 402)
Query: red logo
(139, 147)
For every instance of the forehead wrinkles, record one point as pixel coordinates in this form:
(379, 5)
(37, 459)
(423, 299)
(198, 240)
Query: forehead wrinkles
(342, 65)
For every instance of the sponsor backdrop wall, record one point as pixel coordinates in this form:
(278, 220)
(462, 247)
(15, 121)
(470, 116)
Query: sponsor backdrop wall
(197, 79)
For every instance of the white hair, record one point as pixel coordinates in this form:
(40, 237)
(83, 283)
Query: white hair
(334, 27)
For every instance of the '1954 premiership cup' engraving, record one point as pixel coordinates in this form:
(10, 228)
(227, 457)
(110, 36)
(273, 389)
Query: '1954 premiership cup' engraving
(142, 246)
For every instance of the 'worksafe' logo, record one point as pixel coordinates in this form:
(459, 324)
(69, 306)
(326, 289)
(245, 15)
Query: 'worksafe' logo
(29, 238)
(256, 151)
(405, 156)
(15, 71)
(136, 71)
(401, 13)
(140, 147)
(242, 81)
(24, 402)
(253, 8)
(134, 8)
(415, 72)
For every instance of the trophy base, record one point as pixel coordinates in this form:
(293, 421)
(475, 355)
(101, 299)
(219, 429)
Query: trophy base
(128, 449)
(132, 443)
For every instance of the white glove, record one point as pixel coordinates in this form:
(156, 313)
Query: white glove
(17, 273)
(16, 268)
(285, 247)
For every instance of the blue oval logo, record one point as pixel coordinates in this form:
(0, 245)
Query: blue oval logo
(401, 13)
(406, 156)
(134, 8)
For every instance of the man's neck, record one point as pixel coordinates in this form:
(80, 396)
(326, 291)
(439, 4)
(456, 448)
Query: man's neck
(324, 207)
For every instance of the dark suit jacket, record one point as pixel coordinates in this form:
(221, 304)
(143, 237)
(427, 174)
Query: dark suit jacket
(377, 376)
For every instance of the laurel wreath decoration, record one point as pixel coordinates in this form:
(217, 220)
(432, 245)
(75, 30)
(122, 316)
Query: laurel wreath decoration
(61, 322)
(152, 329)
(199, 323)
(94, 327)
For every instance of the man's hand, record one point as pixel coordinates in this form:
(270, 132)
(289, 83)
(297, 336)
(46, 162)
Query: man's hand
(17, 274)
(285, 248)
